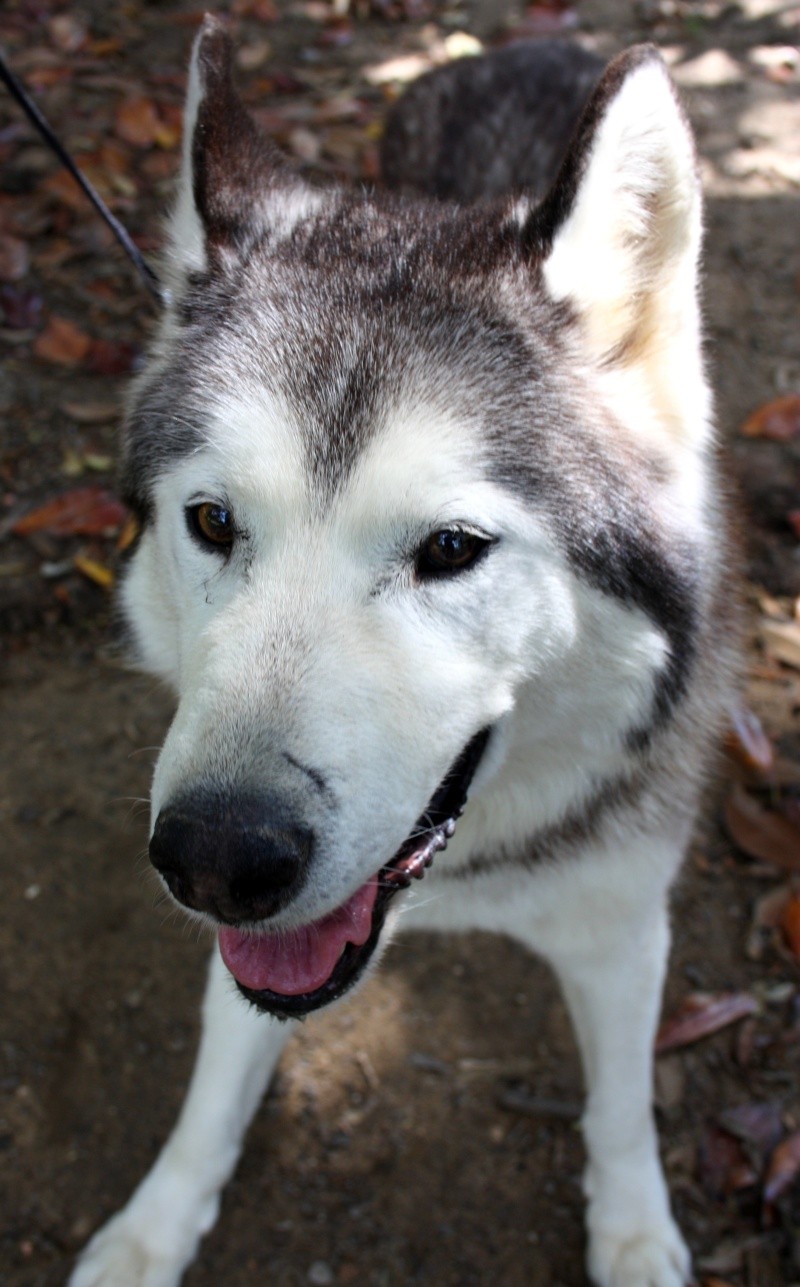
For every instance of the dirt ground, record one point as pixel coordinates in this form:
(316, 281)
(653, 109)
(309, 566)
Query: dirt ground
(424, 1132)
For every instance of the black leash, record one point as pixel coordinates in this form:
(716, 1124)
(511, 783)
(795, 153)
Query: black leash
(30, 109)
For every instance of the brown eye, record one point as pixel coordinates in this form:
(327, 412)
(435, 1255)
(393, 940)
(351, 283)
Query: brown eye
(213, 524)
(449, 551)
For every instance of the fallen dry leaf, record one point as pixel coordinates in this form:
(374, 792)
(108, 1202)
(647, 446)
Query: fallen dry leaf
(747, 742)
(261, 10)
(722, 1164)
(700, 1014)
(761, 832)
(90, 413)
(84, 511)
(767, 915)
(782, 640)
(778, 420)
(68, 33)
(61, 342)
(250, 57)
(14, 258)
(20, 309)
(94, 571)
(783, 1168)
(790, 925)
(756, 1124)
(110, 357)
(544, 20)
(128, 534)
(137, 121)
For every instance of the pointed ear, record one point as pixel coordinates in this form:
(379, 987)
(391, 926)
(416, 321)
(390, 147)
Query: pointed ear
(619, 234)
(231, 178)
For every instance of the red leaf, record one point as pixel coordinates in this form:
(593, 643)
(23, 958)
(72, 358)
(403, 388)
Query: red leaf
(761, 832)
(700, 1014)
(110, 357)
(790, 925)
(783, 1169)
(778, 420)
(84, 511)
(62, 342)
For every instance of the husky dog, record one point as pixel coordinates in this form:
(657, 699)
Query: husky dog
(428, 507)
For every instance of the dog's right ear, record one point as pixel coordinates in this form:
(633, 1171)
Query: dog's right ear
(233, 184)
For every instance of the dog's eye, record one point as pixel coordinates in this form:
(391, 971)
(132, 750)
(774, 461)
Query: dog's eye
(449, 551)
(212, 524)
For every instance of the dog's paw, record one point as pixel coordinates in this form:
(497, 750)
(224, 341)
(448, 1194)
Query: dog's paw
(651, 1258)
(142, 1246)
(118, 1257)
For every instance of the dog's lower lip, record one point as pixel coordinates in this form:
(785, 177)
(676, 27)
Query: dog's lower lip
(408, 864)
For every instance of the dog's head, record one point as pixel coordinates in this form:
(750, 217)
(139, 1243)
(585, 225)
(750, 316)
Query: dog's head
(403, 470)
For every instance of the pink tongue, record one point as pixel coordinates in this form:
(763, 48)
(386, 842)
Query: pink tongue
(298, 960)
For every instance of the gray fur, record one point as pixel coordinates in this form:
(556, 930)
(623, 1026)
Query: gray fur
(484, 127)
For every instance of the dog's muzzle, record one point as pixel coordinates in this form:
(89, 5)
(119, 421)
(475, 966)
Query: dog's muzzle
(243, 860)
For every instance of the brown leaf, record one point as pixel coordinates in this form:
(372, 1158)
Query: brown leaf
(14, 258)
(761, 832)
(782, 640)
(84, 511)
(767, 916)
(757, 1124)
(778, 420)
(747, 742)
(783, 1168)
(67, 33)
(63, 187)
(790, 925)
(62, 342)
(543, 20)
(90, 413)
(261, 10)
(137, 121)
(20, 309)
(700, 1014)
(722, 1164)
(251, 56)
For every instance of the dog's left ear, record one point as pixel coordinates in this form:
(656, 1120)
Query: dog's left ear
(618, 236)
(233, 183)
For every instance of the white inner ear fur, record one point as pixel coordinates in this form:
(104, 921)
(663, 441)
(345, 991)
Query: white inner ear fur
(626, 257)
(186, 239)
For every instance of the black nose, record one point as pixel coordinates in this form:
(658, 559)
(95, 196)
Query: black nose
(238, 858)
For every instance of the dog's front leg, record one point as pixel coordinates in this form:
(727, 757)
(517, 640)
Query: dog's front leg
(610, 960)
(152, 1240)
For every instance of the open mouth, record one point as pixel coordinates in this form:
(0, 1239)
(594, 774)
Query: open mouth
(290, 973)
